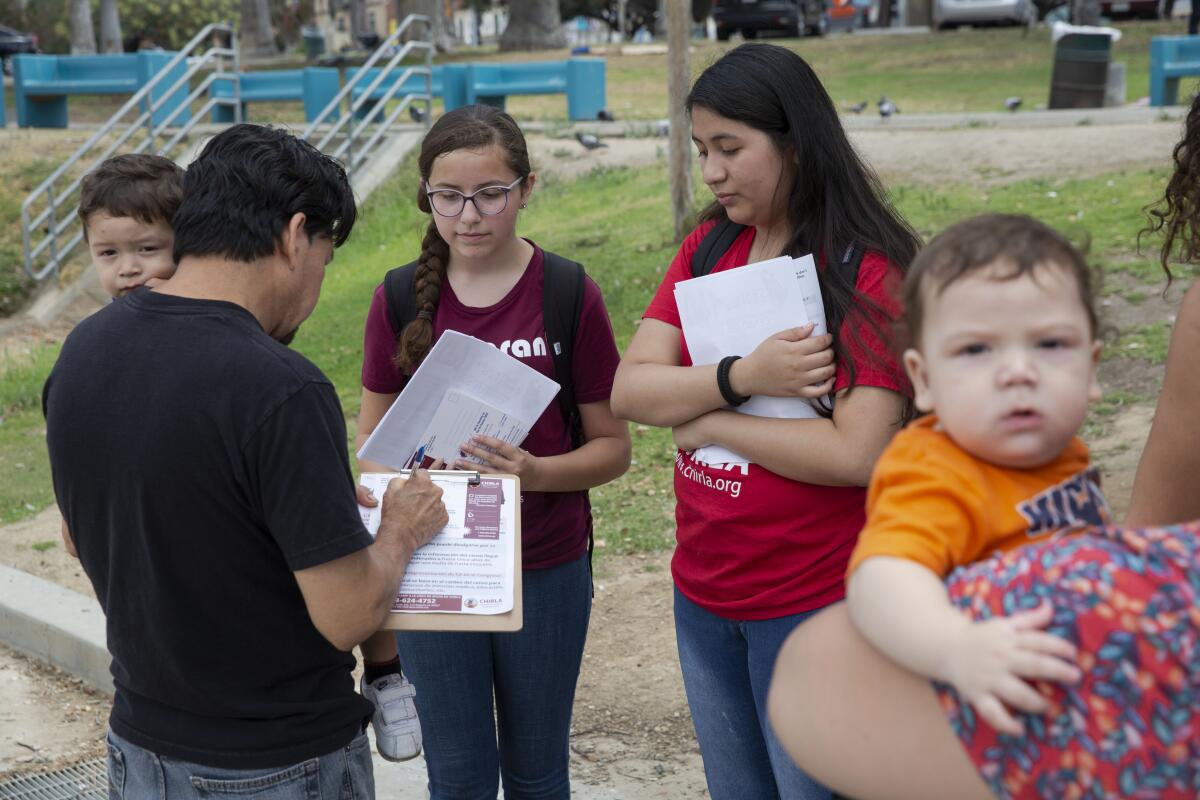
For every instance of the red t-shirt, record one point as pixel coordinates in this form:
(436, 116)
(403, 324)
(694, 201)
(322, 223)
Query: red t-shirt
(753, 544)
(554, 525)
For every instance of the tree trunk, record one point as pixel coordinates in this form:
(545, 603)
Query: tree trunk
(443, 27)
(110, 27)
(83, 37)
(358, 19)
(679, 158)
(534, 25)
(257, 32)
(1086, 12)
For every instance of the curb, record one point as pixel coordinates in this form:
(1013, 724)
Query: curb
(55, 625)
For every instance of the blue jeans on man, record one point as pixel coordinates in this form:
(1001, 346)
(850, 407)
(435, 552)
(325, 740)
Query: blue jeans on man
(135, 773)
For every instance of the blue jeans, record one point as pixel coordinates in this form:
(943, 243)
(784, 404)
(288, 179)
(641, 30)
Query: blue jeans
(727, 666)
(531, 674)
(135, 773)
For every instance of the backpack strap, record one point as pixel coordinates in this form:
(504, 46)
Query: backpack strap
(716, 242)
(852, 259)
(400, 296)
(562, 305)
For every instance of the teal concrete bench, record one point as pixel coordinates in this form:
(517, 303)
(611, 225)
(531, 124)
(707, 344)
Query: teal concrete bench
(1172, 58)
(448, 82)
(582, 80)
(42, 83)
(314, 86)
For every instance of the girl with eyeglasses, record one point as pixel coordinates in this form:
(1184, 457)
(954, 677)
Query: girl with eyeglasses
(475, 275)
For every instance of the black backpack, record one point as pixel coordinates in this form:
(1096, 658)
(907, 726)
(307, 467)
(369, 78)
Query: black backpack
(721, 236)
(562, 303)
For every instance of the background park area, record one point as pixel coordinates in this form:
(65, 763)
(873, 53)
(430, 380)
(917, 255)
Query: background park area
(1091, 177)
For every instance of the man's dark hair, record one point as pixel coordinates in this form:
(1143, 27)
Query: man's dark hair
(145, 187)
(250, 180)
(1012, 243)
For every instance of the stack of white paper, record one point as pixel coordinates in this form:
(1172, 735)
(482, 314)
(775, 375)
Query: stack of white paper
(730, 313)
(463, 386)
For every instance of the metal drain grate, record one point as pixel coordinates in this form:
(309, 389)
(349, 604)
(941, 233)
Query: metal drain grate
(84, 781)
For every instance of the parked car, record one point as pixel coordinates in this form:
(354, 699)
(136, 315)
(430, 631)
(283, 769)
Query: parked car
(1144, 9)
(952, 13)
(784, 17)
(12, 42)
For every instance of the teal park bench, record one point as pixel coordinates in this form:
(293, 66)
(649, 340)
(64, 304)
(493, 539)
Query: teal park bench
(1172, 58)
(582, 80)
(447, 81)
(42, 83)
(314, 86)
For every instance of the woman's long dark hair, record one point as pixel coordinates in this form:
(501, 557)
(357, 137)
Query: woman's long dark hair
(1177, 215)
(467, 128)
(835, 200)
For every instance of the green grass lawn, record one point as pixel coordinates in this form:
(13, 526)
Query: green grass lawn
(616, 222)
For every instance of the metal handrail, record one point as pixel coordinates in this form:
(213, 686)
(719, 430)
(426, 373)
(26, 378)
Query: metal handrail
(56, 199)
(345, 151)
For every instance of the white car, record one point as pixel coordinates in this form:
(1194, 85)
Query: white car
(952, 13)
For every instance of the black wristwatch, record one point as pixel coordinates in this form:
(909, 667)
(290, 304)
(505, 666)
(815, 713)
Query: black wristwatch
(723, 384)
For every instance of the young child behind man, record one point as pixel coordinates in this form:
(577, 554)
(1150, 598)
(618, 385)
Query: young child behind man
(126, 205)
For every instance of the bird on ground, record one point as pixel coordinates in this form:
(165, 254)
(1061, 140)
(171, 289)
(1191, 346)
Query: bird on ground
(857, 108)
(604, 115)
(1012, 103)
(590, 141)
(416, 114)
(887, 107)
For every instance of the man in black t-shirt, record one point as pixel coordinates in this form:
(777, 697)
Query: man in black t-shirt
(201, 468)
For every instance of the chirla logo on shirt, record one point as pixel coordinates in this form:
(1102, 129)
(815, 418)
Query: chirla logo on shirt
(1075, 503)
(699, 472)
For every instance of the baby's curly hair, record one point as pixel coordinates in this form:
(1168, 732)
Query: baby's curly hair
(1177, 215)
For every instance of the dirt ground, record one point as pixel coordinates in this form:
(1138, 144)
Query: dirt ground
(632, 732)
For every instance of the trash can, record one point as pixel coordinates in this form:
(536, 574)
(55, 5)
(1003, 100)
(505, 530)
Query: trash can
(1080, 70)
(314, 43)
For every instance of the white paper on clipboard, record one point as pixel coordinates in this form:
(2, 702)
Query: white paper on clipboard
(468, 567)
(731, 312)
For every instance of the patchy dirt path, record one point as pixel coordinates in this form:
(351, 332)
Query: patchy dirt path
(982, 156)
(632, 734)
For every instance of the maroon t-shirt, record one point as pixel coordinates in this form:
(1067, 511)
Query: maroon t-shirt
(554, 525)
(753, 544)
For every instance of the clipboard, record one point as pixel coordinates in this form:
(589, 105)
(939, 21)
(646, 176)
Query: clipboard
(509, 621)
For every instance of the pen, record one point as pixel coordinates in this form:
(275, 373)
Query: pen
(418, 458)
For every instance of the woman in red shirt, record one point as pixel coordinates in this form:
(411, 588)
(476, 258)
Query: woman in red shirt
(763, 545)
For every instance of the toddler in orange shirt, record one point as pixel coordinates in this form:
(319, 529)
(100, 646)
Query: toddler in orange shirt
(1003, 355)
(1063, 652)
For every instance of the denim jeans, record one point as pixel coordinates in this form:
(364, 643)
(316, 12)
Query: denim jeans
(135, 773)
(531, 675)
(727, 666)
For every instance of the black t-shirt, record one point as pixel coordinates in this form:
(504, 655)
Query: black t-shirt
(198, 464)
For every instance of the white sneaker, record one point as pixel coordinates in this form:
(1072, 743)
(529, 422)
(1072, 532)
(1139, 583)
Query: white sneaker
(397, 729)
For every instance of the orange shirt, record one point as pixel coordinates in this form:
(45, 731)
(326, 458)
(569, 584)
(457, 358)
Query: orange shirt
(932, 502)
